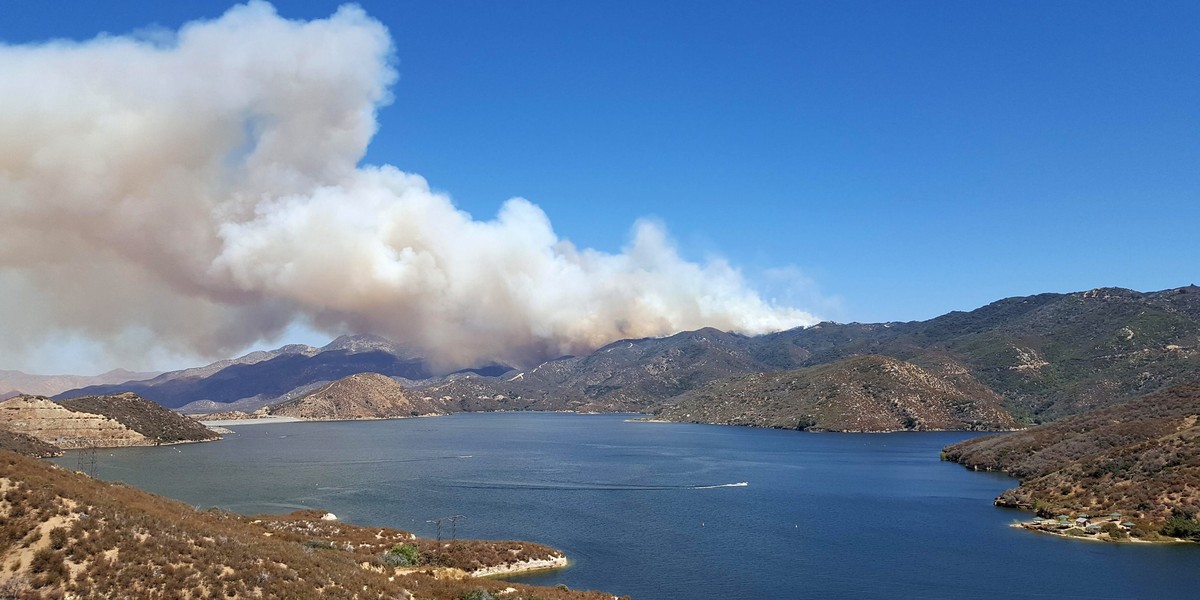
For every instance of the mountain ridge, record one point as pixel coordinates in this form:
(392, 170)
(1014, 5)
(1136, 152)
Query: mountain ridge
(1048, 355)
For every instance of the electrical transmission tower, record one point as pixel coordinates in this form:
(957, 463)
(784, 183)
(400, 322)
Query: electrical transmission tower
(87, 458)
(452, 520)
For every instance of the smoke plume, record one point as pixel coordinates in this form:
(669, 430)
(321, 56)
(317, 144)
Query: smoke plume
(197, 192)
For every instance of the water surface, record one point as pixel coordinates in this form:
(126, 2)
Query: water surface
(648, 509)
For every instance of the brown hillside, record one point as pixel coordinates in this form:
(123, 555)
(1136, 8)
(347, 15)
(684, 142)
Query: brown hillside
(1139, 458)
(863, 393)
(63, 534)
(360, 396)
(53, 423)
(27, 445)
(143, 416)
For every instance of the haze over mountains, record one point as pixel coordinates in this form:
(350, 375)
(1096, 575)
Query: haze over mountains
(16, 382)
(261, 377)
(1036, 358)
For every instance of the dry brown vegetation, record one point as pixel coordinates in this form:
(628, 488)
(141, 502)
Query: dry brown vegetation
(862, 393)
(143, 416)
(359, 396)
(1141, 458)
(62, 533)
(27, 445)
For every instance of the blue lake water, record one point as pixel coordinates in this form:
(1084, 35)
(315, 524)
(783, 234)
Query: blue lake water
(644, 509)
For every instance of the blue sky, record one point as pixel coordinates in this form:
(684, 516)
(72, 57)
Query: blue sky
(895, 160)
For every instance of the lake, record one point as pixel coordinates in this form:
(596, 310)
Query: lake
(655, 510)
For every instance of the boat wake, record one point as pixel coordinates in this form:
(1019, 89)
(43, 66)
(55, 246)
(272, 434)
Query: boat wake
(709, 487)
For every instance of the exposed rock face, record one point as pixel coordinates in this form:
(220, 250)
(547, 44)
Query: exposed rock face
(50, 422)
(144, 417)
(360, 396)
(865, 393)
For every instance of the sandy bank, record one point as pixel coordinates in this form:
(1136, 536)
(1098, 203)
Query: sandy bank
(524, 566)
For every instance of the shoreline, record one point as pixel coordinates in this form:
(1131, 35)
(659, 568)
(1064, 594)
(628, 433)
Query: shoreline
(254, 421)
(814, 430)
(525, 567)
(1036, 527)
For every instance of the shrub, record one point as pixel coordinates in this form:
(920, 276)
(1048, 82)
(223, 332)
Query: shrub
(1180, 527)
(407, 553)
(477, 594)
(58, 538)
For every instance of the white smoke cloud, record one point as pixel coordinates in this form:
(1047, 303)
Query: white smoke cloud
(196, 194)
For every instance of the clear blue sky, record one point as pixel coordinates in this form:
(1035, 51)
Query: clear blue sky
(910, 158)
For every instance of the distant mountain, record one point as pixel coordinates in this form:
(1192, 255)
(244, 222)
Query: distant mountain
(863, 393)
(628, 375)
(270, 375)
(1140, 458)
(359, 396)
(14, 383)
(1046, 356)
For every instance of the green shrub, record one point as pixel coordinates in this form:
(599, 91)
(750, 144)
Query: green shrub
(477, 594)
(1179, 526)
(403, 555)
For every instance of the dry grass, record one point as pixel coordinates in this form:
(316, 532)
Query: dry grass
(62, 533)
(1141, 458)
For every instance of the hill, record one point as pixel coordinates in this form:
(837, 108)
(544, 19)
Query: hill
(865, 393)
(102, 421)
(269, 375)
(1046, 356)
(359, 396)
(55, 424)
(27, 445)
(63, 534)
(1139, 458)
(625, 376)
(143, 416)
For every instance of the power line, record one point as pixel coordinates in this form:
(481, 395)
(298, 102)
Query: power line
(453, 520)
